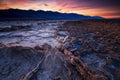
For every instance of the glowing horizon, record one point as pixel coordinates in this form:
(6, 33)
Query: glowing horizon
(105, 8)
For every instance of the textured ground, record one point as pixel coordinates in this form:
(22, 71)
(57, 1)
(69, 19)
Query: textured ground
(97, 42)
(29, 33)
(80, 50)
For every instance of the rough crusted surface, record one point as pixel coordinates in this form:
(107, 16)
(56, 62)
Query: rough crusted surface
(21, 63)
(97, 42)
(90, 52)
(16, 62)
(56, 67)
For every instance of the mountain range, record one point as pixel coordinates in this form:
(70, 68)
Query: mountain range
(40, 14)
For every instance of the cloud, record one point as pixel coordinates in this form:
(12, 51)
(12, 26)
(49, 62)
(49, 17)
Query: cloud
(3, 5)
(111, 14)
(59, 9)
(45, 4)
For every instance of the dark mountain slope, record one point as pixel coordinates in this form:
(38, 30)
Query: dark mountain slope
(40, 14)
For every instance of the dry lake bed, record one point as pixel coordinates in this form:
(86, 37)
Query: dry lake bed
(60, 50)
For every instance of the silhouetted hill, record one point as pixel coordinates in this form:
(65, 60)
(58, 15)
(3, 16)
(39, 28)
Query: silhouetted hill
(40, 14)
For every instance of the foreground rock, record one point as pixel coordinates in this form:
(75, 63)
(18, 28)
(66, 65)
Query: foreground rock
(23, 63)
(56, 67)
(16, 62)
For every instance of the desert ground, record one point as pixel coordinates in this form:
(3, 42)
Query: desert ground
(60, 50)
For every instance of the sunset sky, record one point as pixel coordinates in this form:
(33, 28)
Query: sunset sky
(104, 8)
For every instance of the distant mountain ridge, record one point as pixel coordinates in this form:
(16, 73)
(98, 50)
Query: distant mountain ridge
(40, 14)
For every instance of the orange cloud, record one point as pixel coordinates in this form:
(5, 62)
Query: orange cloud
(60, 10)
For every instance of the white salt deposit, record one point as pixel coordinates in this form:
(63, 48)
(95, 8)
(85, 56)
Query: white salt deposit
(40, 33)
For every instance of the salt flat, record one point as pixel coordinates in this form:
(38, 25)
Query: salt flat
(40, 32)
